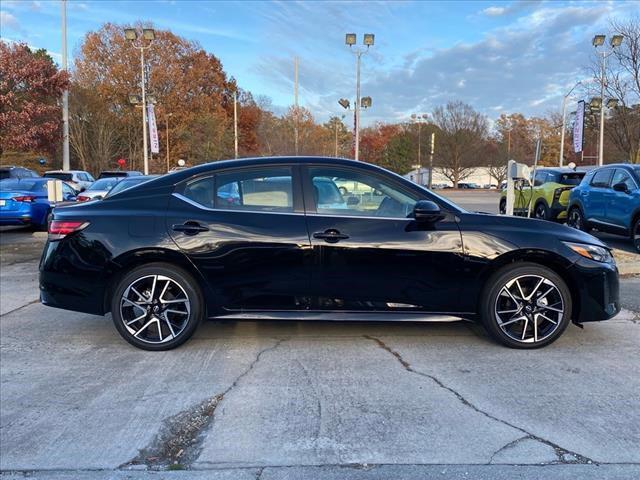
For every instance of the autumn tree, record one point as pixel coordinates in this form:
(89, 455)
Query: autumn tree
(462, 134)
(30, 87)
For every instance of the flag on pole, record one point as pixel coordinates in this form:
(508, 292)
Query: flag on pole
(153, 129)
(578, 128)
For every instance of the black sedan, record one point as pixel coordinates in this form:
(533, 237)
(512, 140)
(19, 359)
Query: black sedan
(277, 238)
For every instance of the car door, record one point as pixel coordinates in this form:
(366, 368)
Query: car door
(252, 245)
(621, 204)
(594, 198)
(369, 254)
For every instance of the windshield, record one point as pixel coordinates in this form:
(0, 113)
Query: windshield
(104, 183)
(67, 177)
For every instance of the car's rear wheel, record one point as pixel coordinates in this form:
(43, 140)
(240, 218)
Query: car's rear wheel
(635, 234)
(157, 306)
(503, 206)
(575, 219)
(526, 305)
(541, 211)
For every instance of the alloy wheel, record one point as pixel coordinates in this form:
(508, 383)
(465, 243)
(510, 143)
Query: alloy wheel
(636, 236)
(529, 308)
(575, 219)
(540, 212)
(155, 309)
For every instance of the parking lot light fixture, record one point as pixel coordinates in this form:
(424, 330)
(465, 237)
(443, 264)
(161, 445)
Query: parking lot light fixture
(350, 39)
(595, 103)
(366, 102)
(130, 34)
(344, 103)
(149, 34)
(134, 99)
(616, 40)
(612, 103)
(368, 39)
(598, 40)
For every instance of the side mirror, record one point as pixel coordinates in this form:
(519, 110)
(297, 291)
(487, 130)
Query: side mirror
(621, 187)
(427, 211)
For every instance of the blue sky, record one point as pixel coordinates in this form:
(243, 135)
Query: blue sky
(498, 56)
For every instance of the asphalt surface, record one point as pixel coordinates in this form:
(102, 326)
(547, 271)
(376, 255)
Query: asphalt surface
(295, 400)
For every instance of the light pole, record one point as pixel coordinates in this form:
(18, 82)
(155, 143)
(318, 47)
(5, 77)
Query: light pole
(235, 123)
(148, 35)
(341, 119)
(65, 95)
(166, 121)
(420, 119)
(350, 40)
(564, 119)
(598, 41)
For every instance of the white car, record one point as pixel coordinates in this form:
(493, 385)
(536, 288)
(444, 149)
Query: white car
(78, 179)
(99, 189)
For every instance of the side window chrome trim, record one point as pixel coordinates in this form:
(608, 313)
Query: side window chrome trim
(179, 196)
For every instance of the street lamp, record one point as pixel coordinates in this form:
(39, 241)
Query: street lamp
(598, 41)
(368, 41)
(148, 35)
(344, 103)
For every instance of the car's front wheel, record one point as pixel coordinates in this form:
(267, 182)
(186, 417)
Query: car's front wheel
(157, 306)
(576, 220)
(635, 234)
(526, 305)
(541, 211)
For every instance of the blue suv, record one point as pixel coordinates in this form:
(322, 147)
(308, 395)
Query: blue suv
(608, 198)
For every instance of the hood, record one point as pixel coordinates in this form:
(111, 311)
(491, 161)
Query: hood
(525, 227)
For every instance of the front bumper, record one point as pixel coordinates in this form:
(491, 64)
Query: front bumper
(598, 288)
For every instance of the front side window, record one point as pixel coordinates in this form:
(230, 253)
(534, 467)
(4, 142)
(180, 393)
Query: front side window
(348, 192)
(622, 176)
(262, 189)
(601, 178)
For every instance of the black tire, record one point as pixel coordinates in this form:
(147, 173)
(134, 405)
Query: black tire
(635, 234)
(47, 220)
(541, 212)
(575, 219)
(503, 206)
(183, 284)
(548, 331)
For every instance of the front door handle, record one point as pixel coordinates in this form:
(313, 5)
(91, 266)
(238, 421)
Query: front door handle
(190, 228)
(330, 236)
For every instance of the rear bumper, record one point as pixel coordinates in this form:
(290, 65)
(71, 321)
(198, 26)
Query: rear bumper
(599, 290)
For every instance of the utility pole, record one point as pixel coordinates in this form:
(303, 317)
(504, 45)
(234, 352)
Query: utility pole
(66, 165)
(235, 123)
(166, 120)
(295, 98)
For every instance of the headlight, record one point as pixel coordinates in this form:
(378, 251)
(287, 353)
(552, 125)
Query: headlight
(593, 252)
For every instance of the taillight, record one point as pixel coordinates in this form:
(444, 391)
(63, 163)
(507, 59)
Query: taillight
(61, 228)
(25, 198)
(82, 198)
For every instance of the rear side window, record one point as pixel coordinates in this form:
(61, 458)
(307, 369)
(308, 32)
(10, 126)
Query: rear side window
(602, 178)
(262, 189)
(200, 191)
(571, 178)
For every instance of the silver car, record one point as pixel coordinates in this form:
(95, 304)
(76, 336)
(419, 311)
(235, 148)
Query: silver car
(78, 179)
(99, 189)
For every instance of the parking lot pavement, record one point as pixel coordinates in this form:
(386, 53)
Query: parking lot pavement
(309, 400)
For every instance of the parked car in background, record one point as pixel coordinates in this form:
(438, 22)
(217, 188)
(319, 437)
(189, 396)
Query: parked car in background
(468, 185)
(24, 201)
(608, 199)
(7, 171)
(99, 189)
(168, 253)
(78, 179)
(128, 182)
(549, 196)
(119, 173)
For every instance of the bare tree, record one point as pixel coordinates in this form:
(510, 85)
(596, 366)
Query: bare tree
(463, 132)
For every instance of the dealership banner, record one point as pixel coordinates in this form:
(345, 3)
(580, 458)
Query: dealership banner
(153, 129)
(578, 128)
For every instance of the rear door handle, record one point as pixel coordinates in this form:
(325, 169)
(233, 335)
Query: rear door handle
(330, 236)
(190, 228)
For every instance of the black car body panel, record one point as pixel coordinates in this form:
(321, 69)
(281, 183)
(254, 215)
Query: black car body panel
(259, 261)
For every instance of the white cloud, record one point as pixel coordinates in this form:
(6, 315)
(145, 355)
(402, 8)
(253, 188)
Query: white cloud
(8, 21)
(494, 11)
